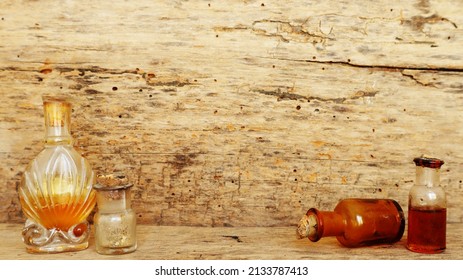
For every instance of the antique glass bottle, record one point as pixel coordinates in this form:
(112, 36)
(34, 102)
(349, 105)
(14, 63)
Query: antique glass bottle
(427, 209)
(115, 220)
(356, 222)
(56, 192)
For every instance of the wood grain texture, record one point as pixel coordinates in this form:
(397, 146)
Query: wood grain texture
(222, 243)
(238, 113)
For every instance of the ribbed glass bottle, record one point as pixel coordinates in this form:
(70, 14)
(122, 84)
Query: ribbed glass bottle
(56, 191)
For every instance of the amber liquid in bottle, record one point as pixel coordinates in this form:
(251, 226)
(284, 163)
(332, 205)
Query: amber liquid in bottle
(60, 215)
(427, 230)
(356, 222)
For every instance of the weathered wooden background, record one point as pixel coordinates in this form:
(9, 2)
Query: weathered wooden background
(238, 113)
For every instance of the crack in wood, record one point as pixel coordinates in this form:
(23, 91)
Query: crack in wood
(172, 83)
(386, 68)
(96, 69)
(281, 95)
(288, 28)
(283, 28)
(412, 77)
(235, 237)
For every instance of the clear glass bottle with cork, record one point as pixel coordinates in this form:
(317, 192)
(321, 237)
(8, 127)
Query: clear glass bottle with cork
(115, 220)
(355, 222)
(427, 208)
(56, 192)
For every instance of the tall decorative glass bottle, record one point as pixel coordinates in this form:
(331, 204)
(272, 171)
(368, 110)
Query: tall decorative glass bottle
(56, 191)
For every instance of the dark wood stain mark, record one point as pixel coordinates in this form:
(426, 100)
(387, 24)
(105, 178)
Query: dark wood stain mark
(92, 91)
(96, 70)
(76, 86)
(234, 237)
(46, 70)
(389, 120)
(418, 22)
(280, 94)
(423, 5)
(284, 95)
(99, 133)
(181, 161)
(230, 29)
(341, 109)
(172, 83)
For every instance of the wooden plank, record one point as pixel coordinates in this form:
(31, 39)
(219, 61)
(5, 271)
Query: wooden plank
(420, 34)
(238, 114)
(246, 243)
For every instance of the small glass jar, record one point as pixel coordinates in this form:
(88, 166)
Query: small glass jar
(114, 221)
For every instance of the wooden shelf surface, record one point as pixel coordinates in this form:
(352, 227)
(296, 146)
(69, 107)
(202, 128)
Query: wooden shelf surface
(229, 243)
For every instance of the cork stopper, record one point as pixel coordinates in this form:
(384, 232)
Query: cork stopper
(113, 181)
(429, 162)
(57, 111)
(308, 226)
(303, 227)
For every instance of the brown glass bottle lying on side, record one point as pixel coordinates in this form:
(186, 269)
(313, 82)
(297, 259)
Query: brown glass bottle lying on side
(356, 222)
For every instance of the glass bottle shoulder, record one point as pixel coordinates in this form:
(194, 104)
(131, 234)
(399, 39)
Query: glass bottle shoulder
(427, 197)
(56, 167)
(64, 154)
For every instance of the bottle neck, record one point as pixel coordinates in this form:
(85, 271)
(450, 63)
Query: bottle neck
(57, 114)
(113, 201)
(317, 224)
(429, 177)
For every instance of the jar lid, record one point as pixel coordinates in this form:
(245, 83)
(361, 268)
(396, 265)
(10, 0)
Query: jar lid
(428, 162)
(112, 182)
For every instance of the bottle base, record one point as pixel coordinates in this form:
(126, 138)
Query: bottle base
(116, 250)
(425, 249)
(39, 239)
(57, 248)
